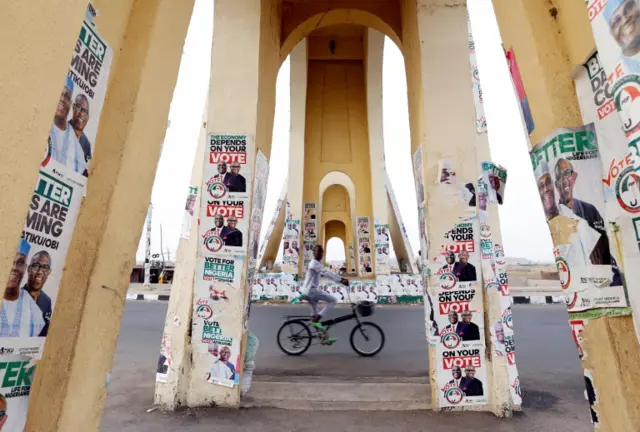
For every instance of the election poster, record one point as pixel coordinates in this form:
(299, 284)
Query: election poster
(462, 377)
(32, 289)
(567, 171)
(223, 355)
(460, 311)
(418, 176)
(447, 173)
(310, 211)
(308, 253)
(272, 223)
(310, 230)
(291, 246)
(363, 226)
(17, 373)
(224, 226)
(481, 119)
(185, 228)
(495, 178)
(381, 237)
(222, 270)
(227, 170)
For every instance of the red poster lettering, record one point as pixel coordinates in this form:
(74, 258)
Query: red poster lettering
(228, 157)
(511, 358)
(454, 306)
(450, 362)
(226, 211)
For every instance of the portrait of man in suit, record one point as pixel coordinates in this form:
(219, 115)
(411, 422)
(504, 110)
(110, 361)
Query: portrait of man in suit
(470, 385)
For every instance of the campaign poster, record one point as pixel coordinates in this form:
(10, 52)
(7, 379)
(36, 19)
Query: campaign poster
(462, 376)
(495, 177)
(458, 260)
(221, 270)
(291, 246)
(567, 171)
(363, 226)
(257, 209)
(17, 373)
(446, 173)
(224, 226)
(310, 211)
(481, 119)
(418, 175)
(460, 311)
(308, 253)
(381, 237)
(364, 256)
(223, 355)
(32, 289)
(185, 228)
(227, 170)
(310, 231)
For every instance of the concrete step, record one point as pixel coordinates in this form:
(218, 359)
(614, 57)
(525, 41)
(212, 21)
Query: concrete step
(331, 394)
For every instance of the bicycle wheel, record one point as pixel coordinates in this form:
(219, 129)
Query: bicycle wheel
(367, 339)
(294, 337)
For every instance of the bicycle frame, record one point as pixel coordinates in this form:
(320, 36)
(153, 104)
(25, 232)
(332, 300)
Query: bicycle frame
(329, 322)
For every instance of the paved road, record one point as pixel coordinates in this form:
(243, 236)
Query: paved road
(549, 369)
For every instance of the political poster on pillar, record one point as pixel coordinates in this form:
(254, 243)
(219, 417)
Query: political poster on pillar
(227, 172)
(310, 222)
(495, 177)
(185, 228)
(462, 377)
(32, 288)
(16, 374)
(567, 170)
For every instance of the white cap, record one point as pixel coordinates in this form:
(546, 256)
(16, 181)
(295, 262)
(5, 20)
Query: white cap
(542, 169)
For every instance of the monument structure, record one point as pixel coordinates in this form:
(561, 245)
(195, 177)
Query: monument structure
(106, 75)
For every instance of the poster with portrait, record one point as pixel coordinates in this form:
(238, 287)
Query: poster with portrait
(481, 119)
(460, 311)
(223, 355)
(32, 289)
(187, 217)
(16, 373)
(495, 178)
(381, 237)
(462, 376)
(310, 231)
(310, 211)
(308, 253)
(291, 246)
(567, 171)
(363, 229)
(224, 226)
(227, 168)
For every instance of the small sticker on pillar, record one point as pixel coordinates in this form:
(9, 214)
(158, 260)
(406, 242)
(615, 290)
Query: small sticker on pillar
(591, 395)
(446, 173)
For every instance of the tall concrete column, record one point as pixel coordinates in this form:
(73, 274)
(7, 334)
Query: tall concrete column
(176, 344)
(442, 119)
(374, 58)
(147, 40)
(42, 67)
(298, 109)
(549, 46)
(245, 62)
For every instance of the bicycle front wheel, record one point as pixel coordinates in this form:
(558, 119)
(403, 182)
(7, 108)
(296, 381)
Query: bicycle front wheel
(294, 337)
(367, 339)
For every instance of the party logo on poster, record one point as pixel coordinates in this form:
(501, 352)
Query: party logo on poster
(563, 272)
(216, 188)
(627, 99)
(212, 242)
(450, 340)
(448, 281)
(628, 190)
(453, 395)
(204, 311)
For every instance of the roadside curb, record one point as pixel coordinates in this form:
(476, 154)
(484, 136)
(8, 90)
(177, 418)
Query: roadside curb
(148, 297)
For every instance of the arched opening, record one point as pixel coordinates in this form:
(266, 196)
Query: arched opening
(335, 249)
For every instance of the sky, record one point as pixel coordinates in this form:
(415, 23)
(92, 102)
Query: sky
(524, 230)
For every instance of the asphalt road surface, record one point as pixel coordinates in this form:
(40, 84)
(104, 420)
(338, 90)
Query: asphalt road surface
(550, 374)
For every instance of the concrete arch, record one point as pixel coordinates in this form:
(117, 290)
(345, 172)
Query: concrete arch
(294, 33)
(342, 179)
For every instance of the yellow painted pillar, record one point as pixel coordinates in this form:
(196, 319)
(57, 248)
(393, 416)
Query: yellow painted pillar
(442, 119)
(549, 43)
(147, 41)
(31, 76)
(245, 60)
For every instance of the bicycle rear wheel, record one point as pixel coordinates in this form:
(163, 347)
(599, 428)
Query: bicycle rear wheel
(367, 339)
(294, 337)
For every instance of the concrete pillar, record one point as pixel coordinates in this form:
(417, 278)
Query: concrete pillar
(30, 81)
(175, 345)
(295, 182)
(549, 45)
(442, 119)
(241, 101)
(374, 57)
(147, 39)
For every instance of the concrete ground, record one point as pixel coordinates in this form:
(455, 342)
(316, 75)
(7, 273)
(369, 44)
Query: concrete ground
(550, 375)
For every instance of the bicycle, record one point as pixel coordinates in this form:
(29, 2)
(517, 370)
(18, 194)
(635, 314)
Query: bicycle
(302, 337)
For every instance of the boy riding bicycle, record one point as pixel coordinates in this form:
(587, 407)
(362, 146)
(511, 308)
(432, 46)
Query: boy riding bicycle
(311, 288)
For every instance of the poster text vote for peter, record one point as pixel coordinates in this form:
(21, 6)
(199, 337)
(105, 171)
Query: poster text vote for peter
(567, 171)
